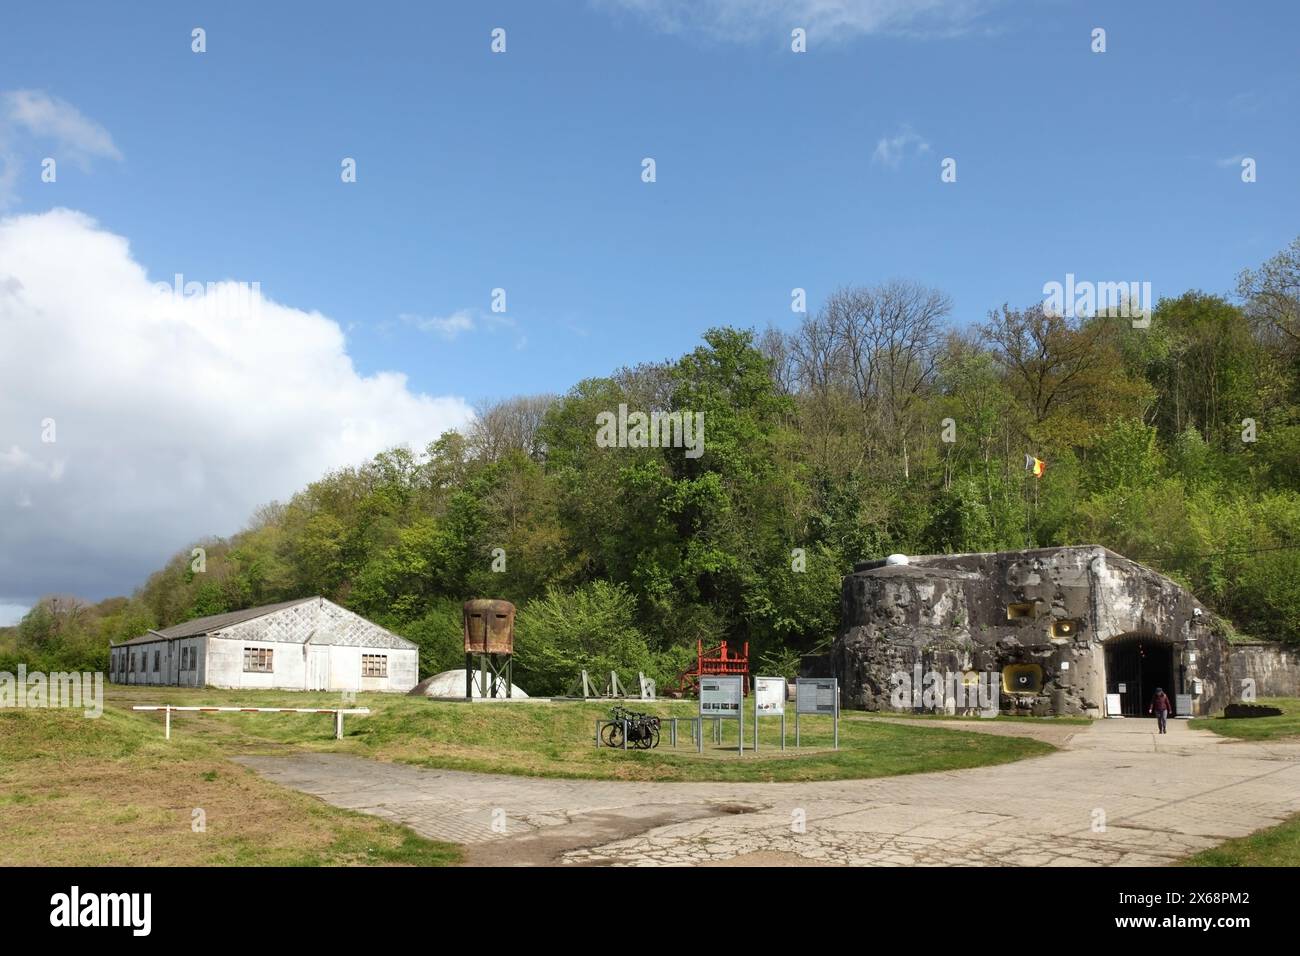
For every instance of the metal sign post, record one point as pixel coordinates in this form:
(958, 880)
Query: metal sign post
(817, 696)
(769, 701)
(722, 699)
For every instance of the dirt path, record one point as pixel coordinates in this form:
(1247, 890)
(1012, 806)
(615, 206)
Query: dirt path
(1118, 795)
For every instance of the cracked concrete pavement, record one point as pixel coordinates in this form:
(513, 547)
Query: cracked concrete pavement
(1118, 794)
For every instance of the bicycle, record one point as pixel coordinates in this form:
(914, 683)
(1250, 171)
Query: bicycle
(642, 729)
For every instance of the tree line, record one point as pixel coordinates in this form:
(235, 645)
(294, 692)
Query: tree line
(876, 425)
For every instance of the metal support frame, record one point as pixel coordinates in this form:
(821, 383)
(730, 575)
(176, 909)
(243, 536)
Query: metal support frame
(786, 690)
(781, 715)
(492, 671)
(614, 689)
(835, 715)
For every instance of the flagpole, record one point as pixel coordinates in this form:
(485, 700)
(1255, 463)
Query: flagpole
(1037, 479)
(1032, 464)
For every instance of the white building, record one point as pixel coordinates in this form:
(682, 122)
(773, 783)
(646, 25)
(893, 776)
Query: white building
(308, 644)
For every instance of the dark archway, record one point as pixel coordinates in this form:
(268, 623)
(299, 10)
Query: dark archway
(1136, 664)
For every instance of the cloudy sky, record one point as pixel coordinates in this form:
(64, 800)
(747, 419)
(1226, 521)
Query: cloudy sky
(344, 317)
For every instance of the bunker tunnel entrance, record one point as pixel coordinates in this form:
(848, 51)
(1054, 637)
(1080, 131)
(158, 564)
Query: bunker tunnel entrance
(1136, 664)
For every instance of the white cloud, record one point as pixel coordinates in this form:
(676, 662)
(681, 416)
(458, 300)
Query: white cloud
(890, 150)
(174, 417)
(49, 117)
(466, 320)
(29, 116)
(1230, 160)
(448, 327)
(829, 20)
(9, 166)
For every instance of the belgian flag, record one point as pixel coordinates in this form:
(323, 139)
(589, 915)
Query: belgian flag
(1036, 465)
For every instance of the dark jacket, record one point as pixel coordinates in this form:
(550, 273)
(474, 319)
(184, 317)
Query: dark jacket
(1161, 702)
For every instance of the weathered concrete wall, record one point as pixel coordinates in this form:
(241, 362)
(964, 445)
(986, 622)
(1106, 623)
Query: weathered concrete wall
(226, 665)
(133, 664)
(950, 613)
(290, 662)
(1274, 669)
(312, 626)
(315, 644)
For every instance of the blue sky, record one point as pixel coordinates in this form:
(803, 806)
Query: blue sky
(522, 170)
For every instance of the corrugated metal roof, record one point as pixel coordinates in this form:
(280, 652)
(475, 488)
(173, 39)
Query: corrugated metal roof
(213, 622)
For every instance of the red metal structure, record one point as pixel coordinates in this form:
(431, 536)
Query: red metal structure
(714, 660)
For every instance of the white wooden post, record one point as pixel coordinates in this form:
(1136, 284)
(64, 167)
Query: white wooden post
(337, 712)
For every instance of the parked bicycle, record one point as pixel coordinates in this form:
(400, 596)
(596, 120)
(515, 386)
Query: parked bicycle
(642, 729)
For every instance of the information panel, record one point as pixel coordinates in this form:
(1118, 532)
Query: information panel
(817, 696)
(769, 696)
(720, 696)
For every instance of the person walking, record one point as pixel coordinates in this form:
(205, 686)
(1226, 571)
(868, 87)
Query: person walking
(1162, 708)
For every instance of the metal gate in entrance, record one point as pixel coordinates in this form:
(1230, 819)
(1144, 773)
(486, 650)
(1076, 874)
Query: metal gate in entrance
(1135, 666)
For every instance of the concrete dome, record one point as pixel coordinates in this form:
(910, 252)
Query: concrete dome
(896, 559)
(452, 684)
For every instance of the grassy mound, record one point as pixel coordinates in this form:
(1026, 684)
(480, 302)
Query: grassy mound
(1287, 724)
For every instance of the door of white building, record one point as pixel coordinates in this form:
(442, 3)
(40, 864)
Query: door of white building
(318, 668)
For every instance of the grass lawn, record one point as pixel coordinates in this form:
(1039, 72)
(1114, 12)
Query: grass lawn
(556, 739)
(1003, 718)
(1276, 846)
(1257, 728)
(112, 791)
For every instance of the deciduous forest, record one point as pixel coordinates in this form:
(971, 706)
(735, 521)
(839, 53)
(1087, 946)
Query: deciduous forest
(879, 423)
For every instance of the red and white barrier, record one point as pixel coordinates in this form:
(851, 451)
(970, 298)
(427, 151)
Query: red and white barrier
(338, 713)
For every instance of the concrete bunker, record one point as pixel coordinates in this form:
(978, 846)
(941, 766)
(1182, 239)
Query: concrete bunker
(1057, 630)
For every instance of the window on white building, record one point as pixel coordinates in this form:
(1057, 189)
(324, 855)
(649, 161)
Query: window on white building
(257, 660)
(374, 665)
